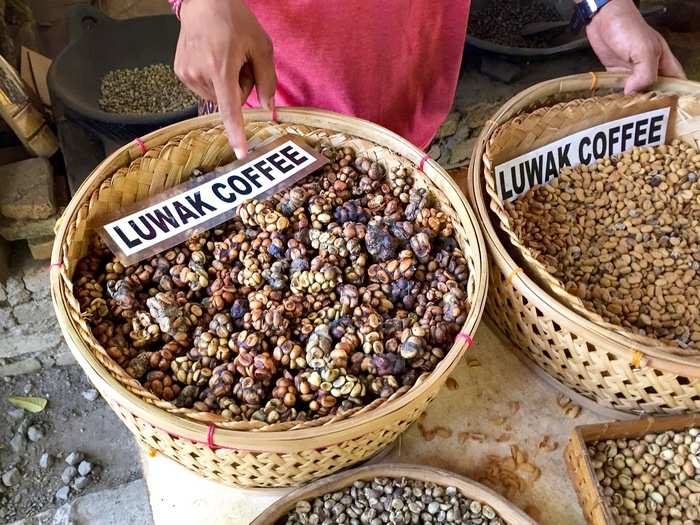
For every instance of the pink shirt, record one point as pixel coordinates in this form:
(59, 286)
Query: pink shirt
(394, 62)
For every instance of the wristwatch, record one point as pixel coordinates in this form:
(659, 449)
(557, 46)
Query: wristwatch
(584, 11)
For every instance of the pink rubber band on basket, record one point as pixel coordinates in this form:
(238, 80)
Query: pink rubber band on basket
(55, 265)
(466, 337)
(423, 159)
(142, 145)
(210, 436)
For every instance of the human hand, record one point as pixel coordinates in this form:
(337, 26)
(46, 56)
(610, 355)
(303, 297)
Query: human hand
(221, 53)
(625, 43)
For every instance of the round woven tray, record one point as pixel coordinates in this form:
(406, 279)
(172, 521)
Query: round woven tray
(510, 514)
(250, 454)
(604, 363)
(528, 131)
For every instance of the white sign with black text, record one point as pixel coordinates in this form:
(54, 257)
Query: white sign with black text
(515, 177)
(199, 204)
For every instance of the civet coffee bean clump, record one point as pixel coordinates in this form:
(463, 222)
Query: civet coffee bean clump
(624, 236)
(392, 501)
(150, 89)
(331, 294)
(653, 480)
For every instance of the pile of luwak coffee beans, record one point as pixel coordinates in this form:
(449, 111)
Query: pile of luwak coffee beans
(654, 480)
(624, 236)
(331, 294)
(392, 501)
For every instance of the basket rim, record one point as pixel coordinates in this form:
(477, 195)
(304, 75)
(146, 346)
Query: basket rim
(396, 470)
(323, 435)
(611, 341)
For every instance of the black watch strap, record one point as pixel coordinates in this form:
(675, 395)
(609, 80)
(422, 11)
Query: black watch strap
(584, 11)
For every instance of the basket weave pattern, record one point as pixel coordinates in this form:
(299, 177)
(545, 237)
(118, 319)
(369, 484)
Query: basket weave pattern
(243, 468)
(602, 362)
(272, 456)
(610, 379)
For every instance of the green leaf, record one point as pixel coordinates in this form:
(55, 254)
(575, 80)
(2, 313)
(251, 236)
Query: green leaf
(30, 404)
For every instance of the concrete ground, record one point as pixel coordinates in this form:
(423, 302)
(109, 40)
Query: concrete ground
(124, 504)
(496, 396)
(35, 362)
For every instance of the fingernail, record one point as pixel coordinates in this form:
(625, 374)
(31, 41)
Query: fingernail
(241, 153)
(269, 103)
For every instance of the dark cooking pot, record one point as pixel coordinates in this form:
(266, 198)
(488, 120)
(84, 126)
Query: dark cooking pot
(99, 44)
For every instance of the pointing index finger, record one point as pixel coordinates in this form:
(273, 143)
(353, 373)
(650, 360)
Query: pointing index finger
(229, 100)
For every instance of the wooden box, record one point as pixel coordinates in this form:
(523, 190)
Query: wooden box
(580, 467)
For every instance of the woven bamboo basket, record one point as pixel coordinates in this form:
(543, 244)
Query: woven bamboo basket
(604, 365)
(580, 468)
(510, 514)
(250, 454)
(529, 130)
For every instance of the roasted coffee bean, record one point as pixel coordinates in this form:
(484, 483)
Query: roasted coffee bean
(501, 21)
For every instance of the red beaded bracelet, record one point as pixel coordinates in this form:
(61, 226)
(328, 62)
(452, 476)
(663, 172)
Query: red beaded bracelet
(176, 5)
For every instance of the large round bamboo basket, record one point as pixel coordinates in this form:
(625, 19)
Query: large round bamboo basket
(544, 125)
(596, 361)
(509, 513)
(250, 454)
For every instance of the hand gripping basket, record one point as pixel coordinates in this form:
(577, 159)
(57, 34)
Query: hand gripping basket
(510, 514)
(250, 454)
(604, 363)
